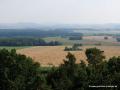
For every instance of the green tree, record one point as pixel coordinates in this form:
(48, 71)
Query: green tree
(62, 78)
(18, 72)
(114, 70)
(94, 56)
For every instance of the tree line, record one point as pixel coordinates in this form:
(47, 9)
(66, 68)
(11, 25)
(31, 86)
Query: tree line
(18, 72)
(38, 33)
(26, 42)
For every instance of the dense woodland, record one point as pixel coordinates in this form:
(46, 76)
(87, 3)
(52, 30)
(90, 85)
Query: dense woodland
(37, 33)
(118, 39)
(26, 42)
(33, 37)
(18, 72)
(75, 38)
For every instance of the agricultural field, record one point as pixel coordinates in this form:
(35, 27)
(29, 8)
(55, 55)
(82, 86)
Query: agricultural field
(54, 55)
(87, 40)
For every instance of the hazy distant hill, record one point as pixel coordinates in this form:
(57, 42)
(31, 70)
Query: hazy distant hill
(54, 26)
(82, 28)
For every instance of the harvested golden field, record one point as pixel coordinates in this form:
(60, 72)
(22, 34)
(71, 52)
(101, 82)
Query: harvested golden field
(47, 55)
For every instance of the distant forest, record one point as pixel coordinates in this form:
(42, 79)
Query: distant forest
(26, 42)
(33, 37)
(37, 33)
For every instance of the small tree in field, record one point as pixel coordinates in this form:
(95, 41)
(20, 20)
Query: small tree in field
(94, 56)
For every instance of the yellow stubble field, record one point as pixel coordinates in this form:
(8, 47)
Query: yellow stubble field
(54, 55)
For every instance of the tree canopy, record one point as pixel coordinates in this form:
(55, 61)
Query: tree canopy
(94, 55)
(18, 72)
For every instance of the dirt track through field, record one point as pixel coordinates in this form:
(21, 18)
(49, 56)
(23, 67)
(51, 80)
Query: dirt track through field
(47, 55)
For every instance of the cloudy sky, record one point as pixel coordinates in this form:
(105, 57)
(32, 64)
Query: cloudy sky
(60, 11)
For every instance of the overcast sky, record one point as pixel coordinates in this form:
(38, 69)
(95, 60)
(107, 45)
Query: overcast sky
(60, 11)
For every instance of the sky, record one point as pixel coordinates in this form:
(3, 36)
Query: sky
(60, 11)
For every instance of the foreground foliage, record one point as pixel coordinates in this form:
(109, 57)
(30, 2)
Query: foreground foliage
(18, 72)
